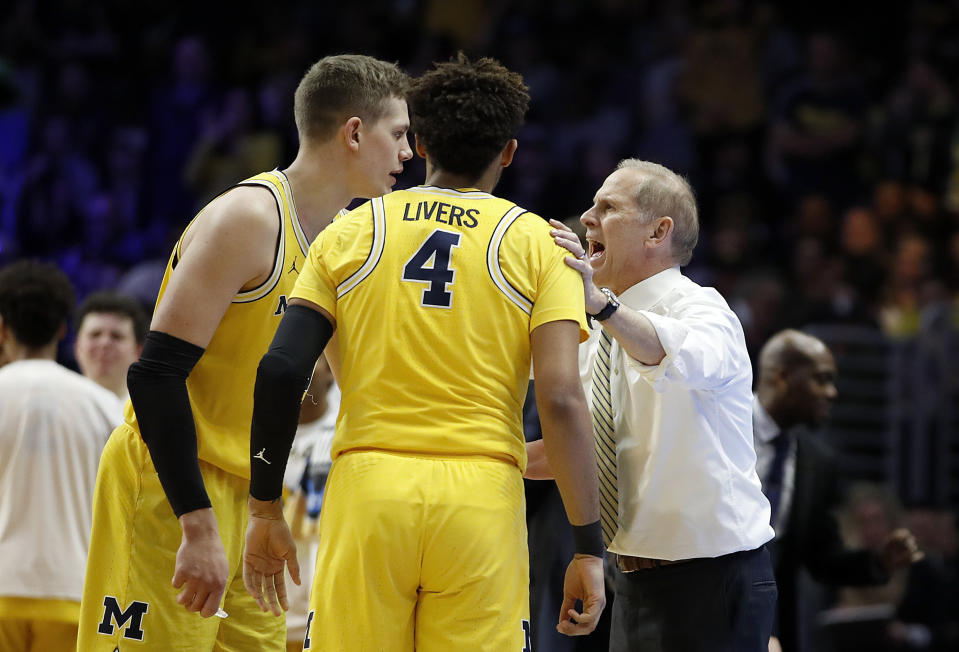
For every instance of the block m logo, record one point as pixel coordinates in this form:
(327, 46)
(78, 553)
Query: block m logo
(132, 614)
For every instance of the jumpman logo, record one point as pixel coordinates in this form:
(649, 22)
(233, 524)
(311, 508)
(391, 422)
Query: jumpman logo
(293, 267)
(259, 456)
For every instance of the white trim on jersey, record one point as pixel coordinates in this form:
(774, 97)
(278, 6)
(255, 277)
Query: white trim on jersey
(492, 261)
(297, 227)
(376, 251)
(249, 296)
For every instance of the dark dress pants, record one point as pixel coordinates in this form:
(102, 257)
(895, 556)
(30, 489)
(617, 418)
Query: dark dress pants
(721, 604)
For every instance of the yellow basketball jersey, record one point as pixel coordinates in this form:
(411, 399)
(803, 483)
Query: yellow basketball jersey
(221, 384)
(435, 293)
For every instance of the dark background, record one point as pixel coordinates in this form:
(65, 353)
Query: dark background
(821, 138)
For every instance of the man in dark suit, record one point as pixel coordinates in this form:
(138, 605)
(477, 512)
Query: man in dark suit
(795, 391)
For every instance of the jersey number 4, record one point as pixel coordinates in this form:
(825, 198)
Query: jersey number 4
(431, 264)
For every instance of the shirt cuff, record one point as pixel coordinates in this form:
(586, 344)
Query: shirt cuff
(671, 335)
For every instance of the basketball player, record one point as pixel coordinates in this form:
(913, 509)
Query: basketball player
(53, 425)
(182, 454)
(440, 296)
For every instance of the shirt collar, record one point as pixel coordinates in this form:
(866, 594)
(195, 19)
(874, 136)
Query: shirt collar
(764, 428)
(647, 292)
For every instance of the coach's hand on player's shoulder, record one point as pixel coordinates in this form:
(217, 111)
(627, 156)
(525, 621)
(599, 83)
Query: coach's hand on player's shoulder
(269, 549)
(201, 568)
(568, 240)
(584, 581)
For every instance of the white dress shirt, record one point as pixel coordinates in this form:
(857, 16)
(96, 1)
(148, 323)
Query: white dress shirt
(764, 431)
(686, 468)
(53, 426)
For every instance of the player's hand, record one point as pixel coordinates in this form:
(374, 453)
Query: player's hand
(201, 568)
(565, 238)
(584, 581)
(270, 548)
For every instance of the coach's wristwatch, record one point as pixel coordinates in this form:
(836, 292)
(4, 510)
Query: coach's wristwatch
(612, 303)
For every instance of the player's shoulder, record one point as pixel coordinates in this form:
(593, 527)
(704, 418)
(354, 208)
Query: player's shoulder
(243, 213)
(529, 227)
(243, 205)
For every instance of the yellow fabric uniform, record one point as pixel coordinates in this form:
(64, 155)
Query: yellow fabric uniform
(38, 625)
(128, 599)
(435, 293)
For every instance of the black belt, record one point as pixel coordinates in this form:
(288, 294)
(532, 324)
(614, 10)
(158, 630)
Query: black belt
(630, 564)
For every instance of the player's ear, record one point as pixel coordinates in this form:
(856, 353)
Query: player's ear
(420, 147)
(350, 132)
(506, 157)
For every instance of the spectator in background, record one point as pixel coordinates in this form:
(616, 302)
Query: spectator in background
(111, 328)
(861, 243)
(916, 596)
(58, 180)
(795, 391)
(232, 145)
(53, 425)
(907, 287)
(175, 127)
(817, 125)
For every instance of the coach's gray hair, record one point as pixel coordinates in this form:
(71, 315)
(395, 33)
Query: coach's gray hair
(663, 193)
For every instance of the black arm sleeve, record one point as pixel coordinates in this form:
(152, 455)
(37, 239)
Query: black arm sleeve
(282, 377)
(157, 384)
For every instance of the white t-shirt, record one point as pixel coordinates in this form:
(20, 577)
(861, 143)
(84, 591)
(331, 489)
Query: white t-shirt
(686, 468)
(53, 426)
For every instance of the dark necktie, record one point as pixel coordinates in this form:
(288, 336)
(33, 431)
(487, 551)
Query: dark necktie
(603, 432)
(774, 477)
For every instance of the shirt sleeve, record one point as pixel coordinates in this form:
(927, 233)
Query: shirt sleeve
(704, 344)
(315, 282)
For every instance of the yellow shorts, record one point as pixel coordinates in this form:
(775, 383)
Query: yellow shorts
(422, 553)
(37, 625)
(128, 598)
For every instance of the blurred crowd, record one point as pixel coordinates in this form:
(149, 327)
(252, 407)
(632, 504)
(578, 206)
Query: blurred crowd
(824, 155)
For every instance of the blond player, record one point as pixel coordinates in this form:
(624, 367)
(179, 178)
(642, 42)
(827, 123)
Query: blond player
(440, 296)
(170, 507)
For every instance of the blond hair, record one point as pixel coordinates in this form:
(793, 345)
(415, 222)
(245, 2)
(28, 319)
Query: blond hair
(663, 193)
(339, 87)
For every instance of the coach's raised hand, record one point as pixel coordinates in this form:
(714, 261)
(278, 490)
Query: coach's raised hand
(201, 568)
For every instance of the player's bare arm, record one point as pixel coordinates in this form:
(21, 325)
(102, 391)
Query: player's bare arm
(568, 441)
(229, 247)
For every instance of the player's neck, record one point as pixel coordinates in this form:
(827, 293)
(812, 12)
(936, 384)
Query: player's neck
(443, 179)
(319, 189)
(437, 176)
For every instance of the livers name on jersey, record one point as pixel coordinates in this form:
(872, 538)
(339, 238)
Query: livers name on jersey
(442, 213)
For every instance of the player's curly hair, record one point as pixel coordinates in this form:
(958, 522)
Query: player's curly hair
(35, 301)
(464, 112)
